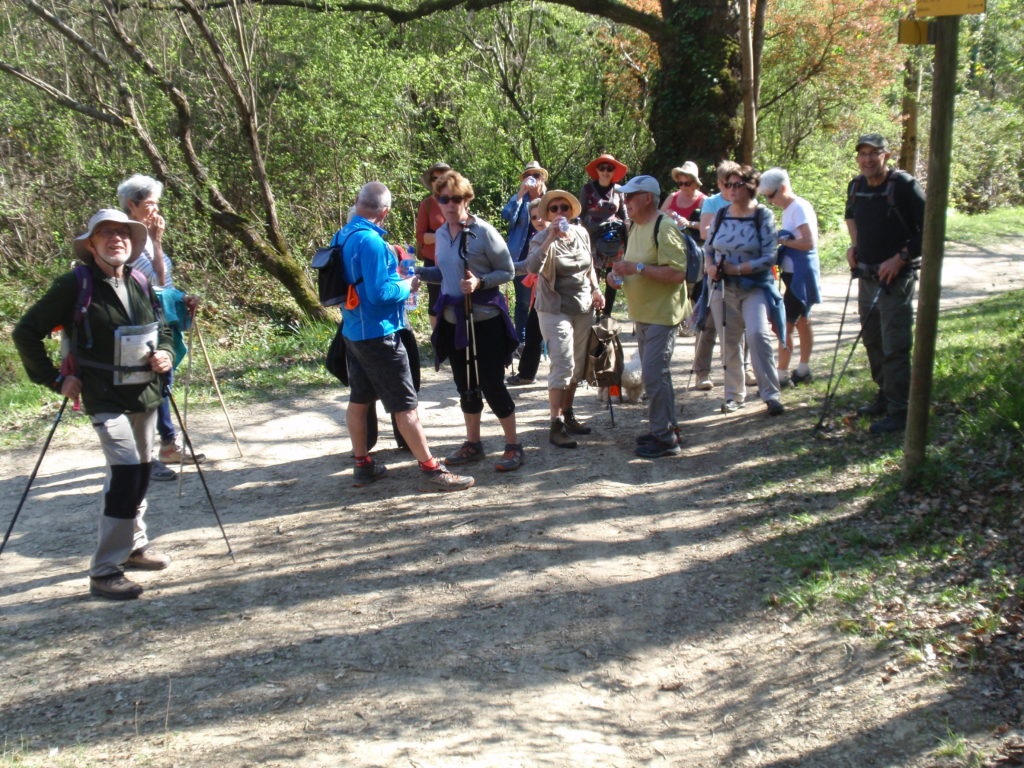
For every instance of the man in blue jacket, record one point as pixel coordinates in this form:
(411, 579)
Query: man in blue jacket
(378, 365)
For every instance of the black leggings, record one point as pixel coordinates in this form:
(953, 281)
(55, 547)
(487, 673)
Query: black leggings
(490, 362)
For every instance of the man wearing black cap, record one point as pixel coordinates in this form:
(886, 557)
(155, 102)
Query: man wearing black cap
(885, 218)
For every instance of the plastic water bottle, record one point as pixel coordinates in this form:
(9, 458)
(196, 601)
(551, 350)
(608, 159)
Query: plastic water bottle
(563, 224)
(615, 281)
(408, 267)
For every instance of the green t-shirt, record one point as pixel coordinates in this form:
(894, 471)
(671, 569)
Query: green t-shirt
(651, 301)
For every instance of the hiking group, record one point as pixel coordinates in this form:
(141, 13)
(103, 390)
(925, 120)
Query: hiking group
(692, 265)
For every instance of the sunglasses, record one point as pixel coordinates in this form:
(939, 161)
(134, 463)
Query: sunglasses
(771, 194)
(559, 208)
(445, 199)
(735, 184)
(605, 168)
(537, 176)
(685, 183)
(109, 233)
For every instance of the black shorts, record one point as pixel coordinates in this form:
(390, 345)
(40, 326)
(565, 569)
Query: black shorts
(378, 369)
(795, 309)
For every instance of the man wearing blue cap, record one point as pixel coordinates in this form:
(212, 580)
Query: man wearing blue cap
(654, 276)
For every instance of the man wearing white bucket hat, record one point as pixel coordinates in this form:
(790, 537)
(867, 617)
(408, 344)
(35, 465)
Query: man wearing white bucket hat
(119, 347)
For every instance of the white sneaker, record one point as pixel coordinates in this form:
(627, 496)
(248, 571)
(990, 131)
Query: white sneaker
(704, 384)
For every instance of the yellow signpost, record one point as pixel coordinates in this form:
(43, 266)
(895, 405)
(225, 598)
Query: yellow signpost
(949, 7)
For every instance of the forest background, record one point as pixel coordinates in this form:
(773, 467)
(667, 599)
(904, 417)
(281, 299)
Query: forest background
(264, 118)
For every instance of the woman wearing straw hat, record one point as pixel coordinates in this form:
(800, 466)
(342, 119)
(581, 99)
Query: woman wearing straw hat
(684, 205)
(428, 220)
(603, 209)
(568, 291)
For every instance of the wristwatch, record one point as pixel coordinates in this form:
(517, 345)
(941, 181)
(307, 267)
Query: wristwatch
(640, 268)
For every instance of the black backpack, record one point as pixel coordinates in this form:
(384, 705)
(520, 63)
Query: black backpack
(694, 254)
(332, 285)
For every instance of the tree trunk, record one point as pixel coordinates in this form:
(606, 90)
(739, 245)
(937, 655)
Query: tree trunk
(749, 137)
(696, 96)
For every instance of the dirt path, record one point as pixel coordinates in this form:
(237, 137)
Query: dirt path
(593, 609)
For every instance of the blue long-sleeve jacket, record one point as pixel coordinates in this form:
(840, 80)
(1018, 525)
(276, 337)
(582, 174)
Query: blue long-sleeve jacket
(517, 213)
(372, 267)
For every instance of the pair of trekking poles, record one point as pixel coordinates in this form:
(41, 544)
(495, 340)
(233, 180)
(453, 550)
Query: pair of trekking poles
(824, 420)
(166, 392)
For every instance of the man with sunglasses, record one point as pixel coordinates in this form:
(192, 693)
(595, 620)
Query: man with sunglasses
(885, 219)
(116, 353)
(654, 275)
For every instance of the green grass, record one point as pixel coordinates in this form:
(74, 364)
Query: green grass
(936, 567)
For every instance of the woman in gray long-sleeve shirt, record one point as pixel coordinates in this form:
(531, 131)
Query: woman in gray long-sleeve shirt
(472, 263)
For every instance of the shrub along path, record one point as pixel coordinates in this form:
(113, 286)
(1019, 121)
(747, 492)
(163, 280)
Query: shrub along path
(592, 609)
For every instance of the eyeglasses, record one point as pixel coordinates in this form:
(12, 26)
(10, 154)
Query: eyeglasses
(445, 199)
(870, 155)
(632, 195)
(560, 208)
(108, 233)
(536, 217)
(735, 184)
(686, 183)
(605, 168)
(771, 194)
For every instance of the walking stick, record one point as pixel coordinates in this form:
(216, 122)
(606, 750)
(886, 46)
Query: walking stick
(199, 467)
(188, 381)
(827, 407)
(216, 386)
(32, 477)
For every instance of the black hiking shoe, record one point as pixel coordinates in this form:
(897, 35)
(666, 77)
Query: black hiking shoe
(364, 474)
(656, 448)
(876, 407)
(893, 422)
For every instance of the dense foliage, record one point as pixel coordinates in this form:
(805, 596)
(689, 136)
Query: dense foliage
(289, 111)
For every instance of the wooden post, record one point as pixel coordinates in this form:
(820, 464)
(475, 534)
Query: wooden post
(936, 201)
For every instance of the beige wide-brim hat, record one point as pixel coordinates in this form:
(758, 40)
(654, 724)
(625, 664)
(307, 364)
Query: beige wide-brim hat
(556, 194)
(139, 233)
(621, 169)
(534, 167)
(689, 168)
(431, 171)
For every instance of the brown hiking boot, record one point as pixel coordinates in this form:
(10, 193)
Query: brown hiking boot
(442, 480)
(572, 426)
(147, 559)
(114, 587)
(560, 436)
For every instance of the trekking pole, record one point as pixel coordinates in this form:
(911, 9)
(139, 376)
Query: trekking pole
(826, 408)
(199, 468)
(216, 386)
(839, 336)
(32, 477)
(188, 381)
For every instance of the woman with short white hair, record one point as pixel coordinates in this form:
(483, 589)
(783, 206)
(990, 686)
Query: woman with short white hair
(801, 271)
